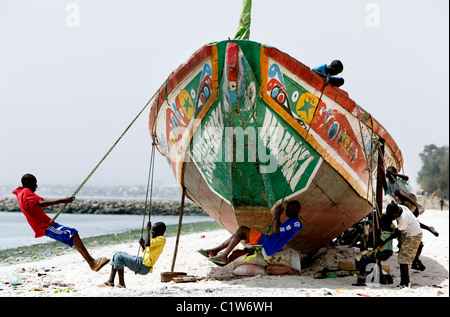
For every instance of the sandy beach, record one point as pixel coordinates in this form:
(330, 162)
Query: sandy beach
(69, 276)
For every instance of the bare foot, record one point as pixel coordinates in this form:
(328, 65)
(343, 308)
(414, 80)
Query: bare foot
(434, 231)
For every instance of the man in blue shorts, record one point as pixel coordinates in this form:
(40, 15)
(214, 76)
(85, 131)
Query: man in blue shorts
(31, 206)
(287, 224)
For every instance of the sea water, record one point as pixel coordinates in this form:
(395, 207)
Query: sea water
(15, 230)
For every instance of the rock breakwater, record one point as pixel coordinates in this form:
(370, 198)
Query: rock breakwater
(118, 207)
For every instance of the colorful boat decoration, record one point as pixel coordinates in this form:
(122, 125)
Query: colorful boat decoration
(246, 127)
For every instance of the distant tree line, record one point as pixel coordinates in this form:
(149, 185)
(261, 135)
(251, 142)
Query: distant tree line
(435, 168)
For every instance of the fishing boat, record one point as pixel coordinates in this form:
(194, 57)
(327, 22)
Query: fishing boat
(246, 127)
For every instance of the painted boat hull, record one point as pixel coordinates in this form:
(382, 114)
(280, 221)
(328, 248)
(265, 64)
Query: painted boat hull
(245, 127)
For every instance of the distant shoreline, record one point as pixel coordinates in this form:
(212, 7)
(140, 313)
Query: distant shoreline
(137, 206)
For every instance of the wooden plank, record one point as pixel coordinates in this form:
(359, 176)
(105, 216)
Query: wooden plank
(186, 279)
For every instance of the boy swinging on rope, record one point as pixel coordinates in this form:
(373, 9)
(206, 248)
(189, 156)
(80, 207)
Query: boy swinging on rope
(287, 224)
(140, 265)
(31, 206)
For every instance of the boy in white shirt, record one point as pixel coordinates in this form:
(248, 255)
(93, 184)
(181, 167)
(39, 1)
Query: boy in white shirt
(410, 226)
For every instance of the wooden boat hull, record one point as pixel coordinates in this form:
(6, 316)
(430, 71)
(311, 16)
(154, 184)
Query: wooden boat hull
(245, 127)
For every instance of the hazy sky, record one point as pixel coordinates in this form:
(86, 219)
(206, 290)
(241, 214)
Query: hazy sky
(73, 74)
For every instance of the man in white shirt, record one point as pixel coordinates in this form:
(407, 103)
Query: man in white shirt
(410, 226)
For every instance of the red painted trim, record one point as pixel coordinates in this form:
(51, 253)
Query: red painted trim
(174, 79)
(338, 95)
(232, 58)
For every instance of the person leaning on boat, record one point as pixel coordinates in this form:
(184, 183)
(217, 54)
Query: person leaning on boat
(410, 226)
(287, 224)
(396, 186)
(328, 72)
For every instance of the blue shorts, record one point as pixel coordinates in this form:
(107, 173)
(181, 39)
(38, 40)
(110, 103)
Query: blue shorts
(60, 233)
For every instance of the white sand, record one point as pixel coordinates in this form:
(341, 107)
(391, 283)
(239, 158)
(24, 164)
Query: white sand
(70, 276)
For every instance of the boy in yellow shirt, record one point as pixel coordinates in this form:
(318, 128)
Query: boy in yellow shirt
(140, 265)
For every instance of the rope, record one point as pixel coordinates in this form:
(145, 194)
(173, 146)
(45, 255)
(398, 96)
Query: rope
(104, 157)
(151, 172)
(369, 161)
(375, 212)
(374, 145)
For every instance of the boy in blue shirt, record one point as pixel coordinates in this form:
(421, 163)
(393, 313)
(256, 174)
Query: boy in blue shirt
(328, 72)
(287, 224)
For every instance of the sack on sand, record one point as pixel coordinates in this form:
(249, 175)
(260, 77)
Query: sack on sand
(281, 270)
(249, 270)
(286, 257)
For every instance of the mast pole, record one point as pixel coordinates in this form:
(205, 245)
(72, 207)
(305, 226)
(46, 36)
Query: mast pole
(180, 221)
(243, 31)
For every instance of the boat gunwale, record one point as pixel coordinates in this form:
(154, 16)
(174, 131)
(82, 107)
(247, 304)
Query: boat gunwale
(338, 95)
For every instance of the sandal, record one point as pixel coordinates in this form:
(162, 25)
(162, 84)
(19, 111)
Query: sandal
(102, 262)
(216, 261)
(204, 253)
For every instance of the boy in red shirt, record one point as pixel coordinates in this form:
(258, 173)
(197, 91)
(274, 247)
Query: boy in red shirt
(31, 206)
